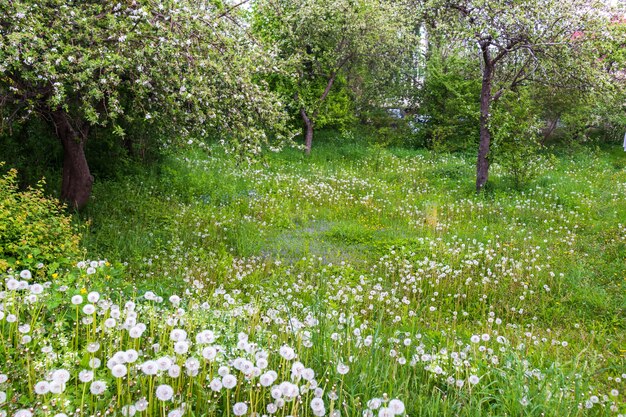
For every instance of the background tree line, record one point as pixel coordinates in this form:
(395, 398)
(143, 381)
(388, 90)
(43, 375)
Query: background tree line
(93, 85)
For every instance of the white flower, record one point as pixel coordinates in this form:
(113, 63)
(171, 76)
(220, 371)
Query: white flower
(91, 270)
(110, 323)
(94, 363)
(287, 352)
(93, 347)
(36, 288)
(485, 337)
(164, 363)
(229, 381)
(135, 332)
(23, 413)
(239, 409)
(181, 347)
(374, 403)
(475, 338)
(342, 369)
(385, 412)
(85, 376)
(131, 355)
(141, 405)
(473, 379)
(89, 309)
(129, 410)
(209, 353)
(317, 404)
(266, 379)
(164, 392)
(42, 387)
(396, 406)
(177, 412)
(174, 371)
(3, 397)
(119, 370)
(97, 387)
(77, 299)
(57, 387)
(216, 385)
(150, 367)
(177, 335)
(93, 297)
(25, 274)
(205, 337)
(61, 375)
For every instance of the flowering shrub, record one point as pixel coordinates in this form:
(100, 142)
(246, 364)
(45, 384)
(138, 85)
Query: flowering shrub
(34, 231)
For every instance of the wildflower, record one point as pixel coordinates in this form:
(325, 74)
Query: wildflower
(129, 410)
(85, 376)
(89, 309)
(374, 403)
(61, 375)
(475, 338)
(287, 352)
(229, 381)
(181, 347)
(342, 369)
(42, 387)
(524, 401)
(25, 274)
(131, 355)
(23, 413)
(119, 371)
(177, 335)
(77, 299)
(97, 387)
(209, 353)
(141, 405)
(385, 412)
(473, 379)
(317, 404)
(36, 288)
(177, 412)
(396, 406)
(174, 371)
(150, 367)
(216, 385)
(164, 363)
(164, 392)
(3, 397)
(239, 409)
(93, 297)
(93, 347)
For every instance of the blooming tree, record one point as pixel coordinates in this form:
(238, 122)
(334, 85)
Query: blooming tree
(181, 68)
(325, 40)
(517, 41)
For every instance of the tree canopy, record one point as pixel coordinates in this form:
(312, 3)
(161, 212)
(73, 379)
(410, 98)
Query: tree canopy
(183, 68)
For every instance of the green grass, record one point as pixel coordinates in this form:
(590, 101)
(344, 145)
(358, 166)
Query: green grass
(385, 260)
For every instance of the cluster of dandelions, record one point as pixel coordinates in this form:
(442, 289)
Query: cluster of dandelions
(235, 357)
(147, 357)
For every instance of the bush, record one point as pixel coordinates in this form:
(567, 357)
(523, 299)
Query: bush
(34, 231)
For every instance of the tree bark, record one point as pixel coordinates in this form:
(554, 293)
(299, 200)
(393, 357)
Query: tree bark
(482, 165)
(77, 179)
(308, 131)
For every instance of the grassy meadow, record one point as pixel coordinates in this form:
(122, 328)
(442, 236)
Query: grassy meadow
(361, 281)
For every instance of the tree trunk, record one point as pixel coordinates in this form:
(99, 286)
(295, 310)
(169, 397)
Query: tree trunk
(77, 179)
(482, 165)
(308, 131)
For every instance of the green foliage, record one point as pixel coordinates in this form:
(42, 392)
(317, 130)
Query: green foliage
(332, 51)
(517, 138)
(172, 70)
(33, 229)
(450, 102)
